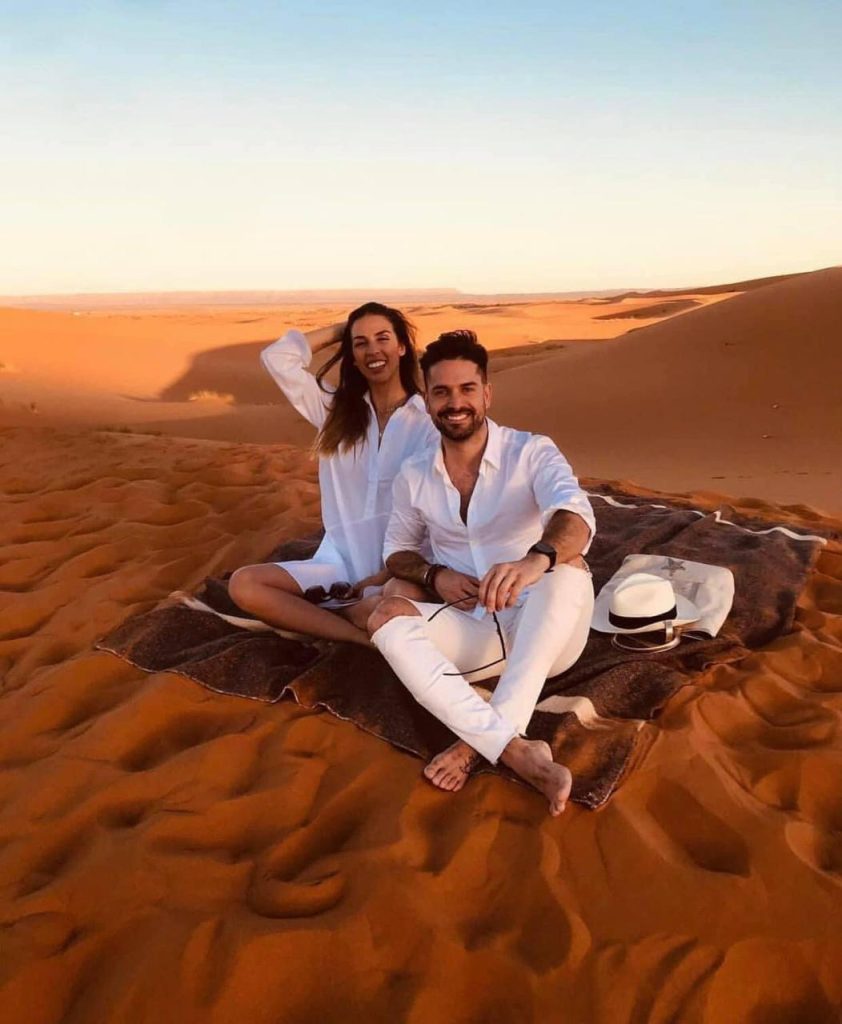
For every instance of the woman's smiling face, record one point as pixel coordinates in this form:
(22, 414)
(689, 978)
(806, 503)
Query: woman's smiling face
(375, 348)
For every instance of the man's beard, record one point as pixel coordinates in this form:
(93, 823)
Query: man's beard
(459, 431)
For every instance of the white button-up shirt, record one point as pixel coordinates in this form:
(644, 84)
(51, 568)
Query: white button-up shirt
(356, 485)
(523, 479)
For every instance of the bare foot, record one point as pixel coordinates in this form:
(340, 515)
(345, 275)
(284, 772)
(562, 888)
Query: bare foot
(357, 614)
(450, 769)
(533, 761)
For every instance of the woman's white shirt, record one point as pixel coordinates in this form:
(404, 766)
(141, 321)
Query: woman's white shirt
(356, 485)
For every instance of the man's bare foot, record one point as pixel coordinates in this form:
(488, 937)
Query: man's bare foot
(450, 769)
(533, 761)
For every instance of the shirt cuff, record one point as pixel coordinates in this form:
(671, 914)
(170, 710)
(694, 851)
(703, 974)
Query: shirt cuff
(293, 343)
(588, 520)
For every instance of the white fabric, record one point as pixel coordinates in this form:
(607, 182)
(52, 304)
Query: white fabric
(433, 655)
(356, 485)
(710, 589)
(523, 479)
(319, 571)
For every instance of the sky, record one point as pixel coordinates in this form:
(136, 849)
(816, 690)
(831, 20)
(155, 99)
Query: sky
(149, 145)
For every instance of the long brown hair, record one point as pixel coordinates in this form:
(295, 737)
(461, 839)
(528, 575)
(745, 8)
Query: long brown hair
(347, 419)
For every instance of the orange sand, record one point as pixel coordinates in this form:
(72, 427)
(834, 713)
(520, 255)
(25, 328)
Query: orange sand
(167, 854)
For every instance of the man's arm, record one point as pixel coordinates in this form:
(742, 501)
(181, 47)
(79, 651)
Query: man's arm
(501, 586)
(556, 489)
(569, 527)
(404, 536)
(568, 533)
(408, 565)
(451, 586)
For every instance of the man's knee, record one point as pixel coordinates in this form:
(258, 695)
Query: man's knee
(566, 578)
(387, 609)
(403, 588)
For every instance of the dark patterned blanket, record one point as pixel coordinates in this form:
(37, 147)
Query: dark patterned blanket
(591, 715)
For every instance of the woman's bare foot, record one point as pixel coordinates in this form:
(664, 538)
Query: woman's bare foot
(533, 761)
(450, 769)
(357, 614)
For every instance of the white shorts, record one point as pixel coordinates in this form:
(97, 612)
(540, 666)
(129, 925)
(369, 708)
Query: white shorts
(326, 567)
(313, 572)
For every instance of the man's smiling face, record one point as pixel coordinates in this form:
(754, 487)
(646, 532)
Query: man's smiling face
(457, 398)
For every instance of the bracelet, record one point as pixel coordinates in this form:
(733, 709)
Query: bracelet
(430, 576)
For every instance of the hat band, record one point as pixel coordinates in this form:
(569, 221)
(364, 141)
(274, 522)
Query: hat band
(632, 622)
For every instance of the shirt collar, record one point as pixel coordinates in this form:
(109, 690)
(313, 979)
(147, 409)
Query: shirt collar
(491, 455)
(493, 450)
(416, 401)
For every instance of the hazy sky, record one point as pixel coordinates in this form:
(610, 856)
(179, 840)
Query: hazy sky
(482, 145)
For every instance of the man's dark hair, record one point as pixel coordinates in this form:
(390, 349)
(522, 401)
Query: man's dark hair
(455, 345)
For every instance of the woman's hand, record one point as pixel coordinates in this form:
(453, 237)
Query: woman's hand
(323, 337)
(377, 580)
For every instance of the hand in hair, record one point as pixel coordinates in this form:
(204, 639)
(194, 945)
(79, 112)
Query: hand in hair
(323, 337)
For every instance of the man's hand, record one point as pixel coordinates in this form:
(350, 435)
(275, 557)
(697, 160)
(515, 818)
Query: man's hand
(500, 587)
(453, 586)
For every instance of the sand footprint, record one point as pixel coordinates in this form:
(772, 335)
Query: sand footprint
(762, 980)
(301, 877)
(820, 850)
(434, 830)
(798, 725)
(174, 736)
(705, 839)
(51, 861)
(205, 962)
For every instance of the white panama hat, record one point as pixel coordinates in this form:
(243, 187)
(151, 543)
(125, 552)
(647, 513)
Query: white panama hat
(642, 603)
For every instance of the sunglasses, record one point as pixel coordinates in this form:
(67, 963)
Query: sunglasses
(336, 592)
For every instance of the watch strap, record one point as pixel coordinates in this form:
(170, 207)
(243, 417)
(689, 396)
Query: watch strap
(540, 548)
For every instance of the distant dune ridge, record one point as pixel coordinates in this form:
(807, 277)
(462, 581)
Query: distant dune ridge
(170, 854)
(737, 394)
(712, 388)
(350, 297)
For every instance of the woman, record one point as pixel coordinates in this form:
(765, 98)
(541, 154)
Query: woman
(367, 427)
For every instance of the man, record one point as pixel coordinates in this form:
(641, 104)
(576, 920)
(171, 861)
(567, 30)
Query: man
(507, 523)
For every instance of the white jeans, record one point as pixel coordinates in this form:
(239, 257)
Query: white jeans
(432, 654)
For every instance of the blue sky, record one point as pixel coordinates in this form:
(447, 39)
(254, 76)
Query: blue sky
(493, 147)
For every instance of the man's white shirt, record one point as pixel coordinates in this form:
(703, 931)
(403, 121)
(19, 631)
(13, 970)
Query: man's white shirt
(523, 479)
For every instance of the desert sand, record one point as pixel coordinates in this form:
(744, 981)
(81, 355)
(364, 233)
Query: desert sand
(169, 854)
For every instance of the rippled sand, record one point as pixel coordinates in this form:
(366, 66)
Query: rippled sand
(167, 854)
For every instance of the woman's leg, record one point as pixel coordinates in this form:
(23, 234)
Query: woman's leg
(270, 592)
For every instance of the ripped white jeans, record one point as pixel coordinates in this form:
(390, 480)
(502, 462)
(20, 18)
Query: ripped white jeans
(436, 653)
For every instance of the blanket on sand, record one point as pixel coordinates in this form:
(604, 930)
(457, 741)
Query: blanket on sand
(592, 715)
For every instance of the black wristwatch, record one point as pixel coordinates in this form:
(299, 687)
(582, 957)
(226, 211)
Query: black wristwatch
(430, 576)
(544, 549)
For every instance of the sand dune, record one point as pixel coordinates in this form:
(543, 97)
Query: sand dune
(195, 372)
(170, 854)
(167, 854)
(739, 397)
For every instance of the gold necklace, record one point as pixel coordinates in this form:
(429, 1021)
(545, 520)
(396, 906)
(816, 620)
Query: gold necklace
(387, 414)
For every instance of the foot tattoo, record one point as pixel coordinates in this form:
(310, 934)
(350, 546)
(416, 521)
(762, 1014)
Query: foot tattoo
(450, 769)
